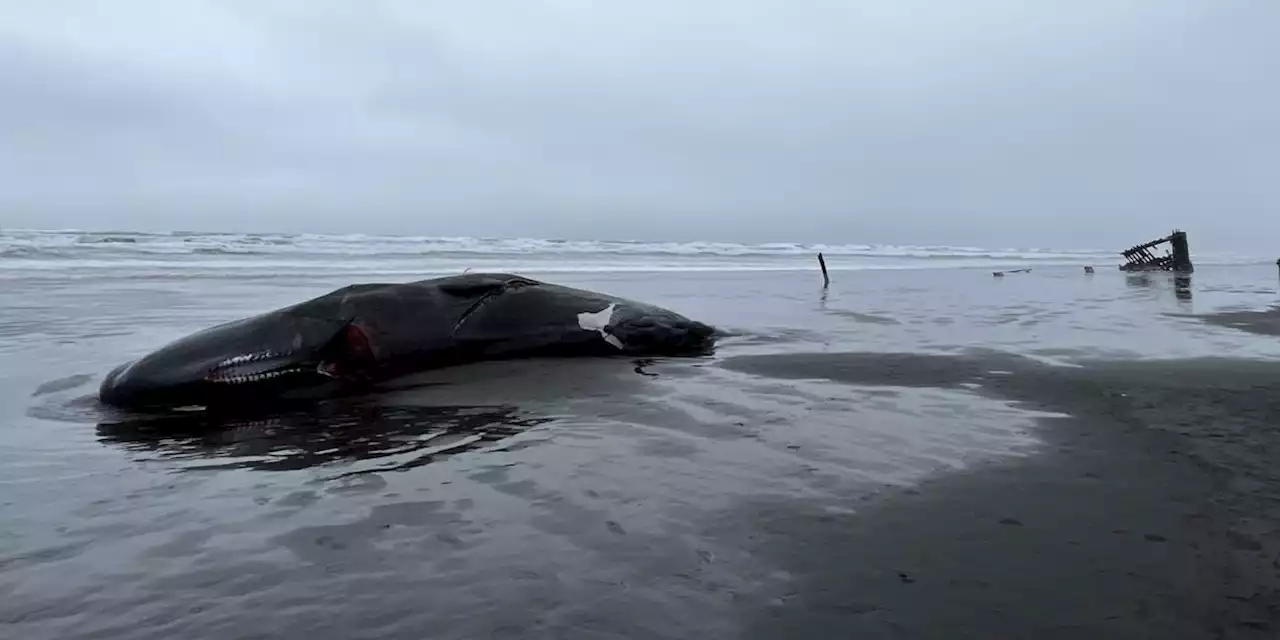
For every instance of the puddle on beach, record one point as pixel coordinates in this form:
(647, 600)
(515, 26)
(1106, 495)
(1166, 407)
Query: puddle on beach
(887, 435)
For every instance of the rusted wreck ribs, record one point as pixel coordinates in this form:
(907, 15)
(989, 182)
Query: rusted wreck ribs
(1176, 258)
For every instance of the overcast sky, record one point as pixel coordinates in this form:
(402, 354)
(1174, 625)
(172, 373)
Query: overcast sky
(1089, 123)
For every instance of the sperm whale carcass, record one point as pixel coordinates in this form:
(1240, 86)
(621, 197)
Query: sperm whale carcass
(368, 332)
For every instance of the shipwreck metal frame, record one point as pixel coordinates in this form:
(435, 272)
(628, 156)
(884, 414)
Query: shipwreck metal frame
(1177, 258)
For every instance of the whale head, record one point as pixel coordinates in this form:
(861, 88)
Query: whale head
(258, 357)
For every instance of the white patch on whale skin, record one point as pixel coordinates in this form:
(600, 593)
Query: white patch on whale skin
(598, 321)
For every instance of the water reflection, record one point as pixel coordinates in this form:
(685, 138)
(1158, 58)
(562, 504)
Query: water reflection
(1138, 280)
(1182, 286)
(1157, 282)
(327, 433)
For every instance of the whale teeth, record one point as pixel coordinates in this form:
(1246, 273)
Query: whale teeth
(224, 377)
(256, 356)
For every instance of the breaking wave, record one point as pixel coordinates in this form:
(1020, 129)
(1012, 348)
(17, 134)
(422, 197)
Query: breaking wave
(239, 253)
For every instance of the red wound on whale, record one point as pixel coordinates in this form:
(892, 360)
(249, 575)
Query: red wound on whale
(353, 351)
(358, 347)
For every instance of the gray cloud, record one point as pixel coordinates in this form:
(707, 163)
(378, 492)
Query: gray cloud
(987, 122)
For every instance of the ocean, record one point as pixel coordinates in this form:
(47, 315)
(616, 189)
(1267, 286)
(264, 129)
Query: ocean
(183, 254)
(919, 450)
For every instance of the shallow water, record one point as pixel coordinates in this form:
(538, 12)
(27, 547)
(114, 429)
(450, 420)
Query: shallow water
(533, 499)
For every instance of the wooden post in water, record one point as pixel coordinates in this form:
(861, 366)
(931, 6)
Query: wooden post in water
(826, 280)
(1181, 254)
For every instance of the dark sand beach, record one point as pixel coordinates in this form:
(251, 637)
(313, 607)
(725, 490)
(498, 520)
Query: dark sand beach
(1265, 322)
(1151, 511)
(911, 454)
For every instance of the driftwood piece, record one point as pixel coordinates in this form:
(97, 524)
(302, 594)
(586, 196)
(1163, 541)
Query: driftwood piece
(1000, 274)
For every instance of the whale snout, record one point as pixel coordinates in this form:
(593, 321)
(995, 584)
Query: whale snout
(113, 375)
(241, 361)
(110, 390)
(129, 385)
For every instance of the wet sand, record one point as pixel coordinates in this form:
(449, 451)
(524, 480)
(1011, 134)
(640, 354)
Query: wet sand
(1152, 512)
(1265, 322)
(905, 456)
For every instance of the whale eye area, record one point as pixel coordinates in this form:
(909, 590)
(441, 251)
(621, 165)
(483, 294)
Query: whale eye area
(253, 367)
